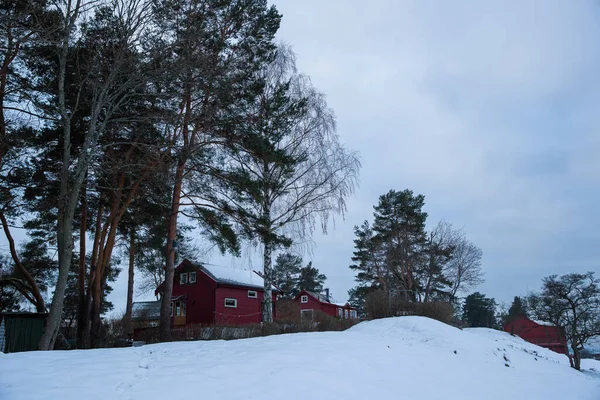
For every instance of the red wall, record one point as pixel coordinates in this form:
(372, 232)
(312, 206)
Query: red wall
(200, 302)
(550, 337)
(205, 301)
(314, 304)
(248, 309)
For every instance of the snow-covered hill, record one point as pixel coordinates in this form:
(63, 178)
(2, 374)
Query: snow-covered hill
(396, 358)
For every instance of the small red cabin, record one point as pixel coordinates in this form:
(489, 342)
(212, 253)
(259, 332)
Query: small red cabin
(209, 294)
(311, 303)
(540, 333)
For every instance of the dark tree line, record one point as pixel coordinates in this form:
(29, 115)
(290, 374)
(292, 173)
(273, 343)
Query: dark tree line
(125, 125)
(396, 255)
(291, 277)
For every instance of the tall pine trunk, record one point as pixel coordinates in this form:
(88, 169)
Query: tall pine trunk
(81, 301)
(65, 255)
(70, 185)
(165, 309)
(130, 281)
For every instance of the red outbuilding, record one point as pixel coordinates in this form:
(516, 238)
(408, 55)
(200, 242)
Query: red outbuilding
(311, 304)
(540, 333)
(209, 294)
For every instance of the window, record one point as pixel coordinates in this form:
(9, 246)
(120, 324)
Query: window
(183, 278)
(252, 294)
(304, 299)
(339, 312)
(171, 309)
(231, 303)
(353, 314)
(345, 314)
(193, 277)
(306, 315)
(183, 309)
(177, 308)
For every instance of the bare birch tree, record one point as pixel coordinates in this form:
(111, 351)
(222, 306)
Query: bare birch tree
(288, 169)
(464, 268)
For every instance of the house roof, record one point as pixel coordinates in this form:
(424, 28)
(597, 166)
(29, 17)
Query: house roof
(544, 323)
(323, 299)
(233, 276)
(146, 310)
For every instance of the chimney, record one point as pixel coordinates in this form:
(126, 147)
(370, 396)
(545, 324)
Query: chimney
(327, 294)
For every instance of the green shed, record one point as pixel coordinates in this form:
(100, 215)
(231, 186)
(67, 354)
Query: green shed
(21, 331)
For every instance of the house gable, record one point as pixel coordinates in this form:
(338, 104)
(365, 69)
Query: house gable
(540, 333)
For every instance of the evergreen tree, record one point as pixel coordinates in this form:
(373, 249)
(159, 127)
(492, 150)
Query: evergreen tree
(215, 50)
(357, 296)
(311, 279)
(287, 167)
(286, 274)
(517, 308)
(479, 311)
(400, 228)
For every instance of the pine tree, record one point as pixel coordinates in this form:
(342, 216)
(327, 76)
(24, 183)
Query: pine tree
(517, 308)
(479, 311)
(286, 273)
(400, 228)
(311, 279)
(287, 167)
(212, 76)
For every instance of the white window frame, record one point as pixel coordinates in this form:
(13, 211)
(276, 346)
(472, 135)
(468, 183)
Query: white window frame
(304, 299)
(192, 277)
(353, 314)
(183, 277)
(340, 312)
(346, 314)
(231, 299)
(253, 294)
(312, 314)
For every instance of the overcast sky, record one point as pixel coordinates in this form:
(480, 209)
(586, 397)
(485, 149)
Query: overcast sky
(489, 109)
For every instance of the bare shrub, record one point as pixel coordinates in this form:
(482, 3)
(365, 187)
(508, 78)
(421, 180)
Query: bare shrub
(379, 305)
(288, 311)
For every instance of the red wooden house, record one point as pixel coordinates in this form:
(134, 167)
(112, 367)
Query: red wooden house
(540, 333)
(209, 294)
(312, 303)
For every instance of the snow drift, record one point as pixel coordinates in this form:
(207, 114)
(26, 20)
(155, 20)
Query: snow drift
(400, 358)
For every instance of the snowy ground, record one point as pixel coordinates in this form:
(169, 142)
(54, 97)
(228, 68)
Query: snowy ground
(398, 358)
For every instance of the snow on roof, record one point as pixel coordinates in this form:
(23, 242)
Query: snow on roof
(146, 310)
(543, 323)
(234, 276)
(323, 299)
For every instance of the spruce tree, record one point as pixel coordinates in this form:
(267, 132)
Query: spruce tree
(479, 311)
(286, 273)
(311, 279)
(517, 308)
(400, 228)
